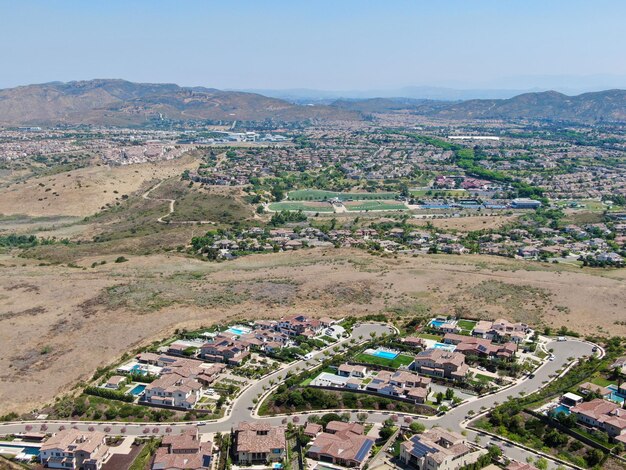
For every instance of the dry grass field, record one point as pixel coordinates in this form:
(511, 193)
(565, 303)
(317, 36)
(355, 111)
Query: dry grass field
(59, 323)
(467, 224)
(84, 191)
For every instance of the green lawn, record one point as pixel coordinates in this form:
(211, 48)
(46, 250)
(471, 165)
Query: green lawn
(602, 382)
(466, 324)
(483, 378)
(400, 360)
(301, 206)
(429, 336)
(375, 206)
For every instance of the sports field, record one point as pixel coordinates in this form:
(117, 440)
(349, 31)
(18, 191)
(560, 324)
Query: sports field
(301, 206)
(374, 206)
(321, 195)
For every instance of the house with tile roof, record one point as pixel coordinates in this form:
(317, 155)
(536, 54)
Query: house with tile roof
(342, 444)
(74, 449)
(183, 452)
(438, 449)
(602, 414)
(441, 363)
(259, 443)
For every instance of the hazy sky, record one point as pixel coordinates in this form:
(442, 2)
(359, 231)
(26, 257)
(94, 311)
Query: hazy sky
(322, 44)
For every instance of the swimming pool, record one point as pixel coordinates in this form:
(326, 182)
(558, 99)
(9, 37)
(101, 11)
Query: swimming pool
(561, 409)
(138, 390)
(11, 448)
(136, 369)
(615, 396)
(385, 354)
(238, 330)
(446, 347)
(437, 323)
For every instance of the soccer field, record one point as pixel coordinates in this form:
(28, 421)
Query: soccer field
(301, 206)
(375, 206)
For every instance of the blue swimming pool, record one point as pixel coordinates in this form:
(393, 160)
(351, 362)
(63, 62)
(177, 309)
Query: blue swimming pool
(437, 323)
(446, 347)
(26, 449)
(561, 409)
(238, 330)
(616, 397)
(138, 390)
(383, 353)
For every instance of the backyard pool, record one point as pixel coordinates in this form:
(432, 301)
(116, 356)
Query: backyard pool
(238, 330)
(138, 390)
(616, 397)
(561, 409)
(136, 369)
(16, 449)
(437, 323)
(384, 353)
(446, 347)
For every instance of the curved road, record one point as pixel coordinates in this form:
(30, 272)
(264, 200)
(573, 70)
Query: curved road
(243, 408)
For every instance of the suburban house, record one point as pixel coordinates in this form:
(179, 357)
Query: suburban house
(515, 465)
(439, 449)
(225, 349)
(602, 414)
(259, 443)
(173, 389)
(347, 370)
(341, 444)
(441, 363)
(503, 329)
(480, 346)
(75, 449)
(115, 382)
(400, 384)
(414, 342)
(183, 452)
(300, 325)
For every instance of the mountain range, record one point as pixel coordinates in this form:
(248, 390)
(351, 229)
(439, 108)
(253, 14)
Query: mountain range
(123, 103)
(609, 105)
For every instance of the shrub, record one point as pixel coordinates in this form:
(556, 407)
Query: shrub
(110, 394)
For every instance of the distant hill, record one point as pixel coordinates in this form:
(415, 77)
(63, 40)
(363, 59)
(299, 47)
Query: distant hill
(607, 105)
(123, 103)
(119, 102)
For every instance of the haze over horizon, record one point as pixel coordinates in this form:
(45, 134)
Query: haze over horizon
(351, 46)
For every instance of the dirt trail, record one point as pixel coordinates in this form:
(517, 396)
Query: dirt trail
(162, 220)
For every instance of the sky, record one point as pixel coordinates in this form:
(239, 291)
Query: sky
(317, 44)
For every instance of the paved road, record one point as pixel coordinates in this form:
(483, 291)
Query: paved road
(243, 409)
